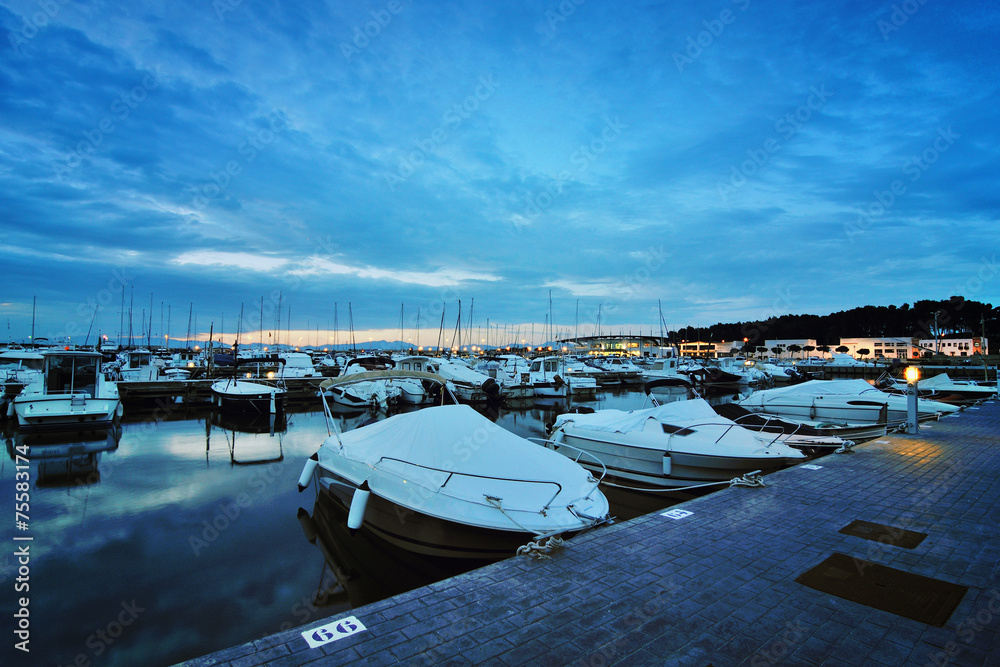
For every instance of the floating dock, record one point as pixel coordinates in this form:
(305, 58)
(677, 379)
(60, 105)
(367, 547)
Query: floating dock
(889, 555)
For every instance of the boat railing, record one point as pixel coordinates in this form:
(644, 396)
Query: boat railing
(451, 473)
(579, 452)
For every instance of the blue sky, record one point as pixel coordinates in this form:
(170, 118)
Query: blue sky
(731, 159)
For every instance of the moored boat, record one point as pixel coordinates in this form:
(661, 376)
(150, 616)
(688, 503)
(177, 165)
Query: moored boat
(679, 444)
(72, 393)
(447, 481)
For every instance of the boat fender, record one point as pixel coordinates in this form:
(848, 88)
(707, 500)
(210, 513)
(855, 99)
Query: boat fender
(307, 471)
(10, 409)
(308, 525)
(359, 502)
(272, 406)
(558, 380)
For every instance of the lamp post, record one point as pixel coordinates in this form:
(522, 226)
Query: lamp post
(912, 375)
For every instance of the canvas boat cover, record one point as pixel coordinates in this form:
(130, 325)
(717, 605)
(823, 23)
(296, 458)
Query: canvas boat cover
(677, 413)
(817, 387)
(454, 439)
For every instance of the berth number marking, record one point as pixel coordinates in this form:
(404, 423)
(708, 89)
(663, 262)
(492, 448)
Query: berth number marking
(810, 466)
(677, 514)
(331, 632)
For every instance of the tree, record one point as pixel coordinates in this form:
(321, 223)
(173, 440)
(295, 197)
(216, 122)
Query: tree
(776, 350)
(864, 352)
(794, 348)
(808, 348)
(823, 348)
(761, 349)
(843, 349)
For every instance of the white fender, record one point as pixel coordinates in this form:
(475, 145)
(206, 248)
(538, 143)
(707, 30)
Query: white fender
(358, 505)
(273, 410)
(307, 472)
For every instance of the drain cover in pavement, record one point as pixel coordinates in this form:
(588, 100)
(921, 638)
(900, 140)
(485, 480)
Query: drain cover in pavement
(888, 535)
(914, 596)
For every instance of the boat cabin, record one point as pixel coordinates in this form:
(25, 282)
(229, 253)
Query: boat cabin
(71, 372)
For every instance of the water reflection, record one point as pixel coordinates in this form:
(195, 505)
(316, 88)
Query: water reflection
(366, 568)
(65, 459)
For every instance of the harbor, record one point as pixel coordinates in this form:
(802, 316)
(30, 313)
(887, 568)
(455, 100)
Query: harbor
(716, 580)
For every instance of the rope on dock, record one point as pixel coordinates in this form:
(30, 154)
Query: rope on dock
(540, 551)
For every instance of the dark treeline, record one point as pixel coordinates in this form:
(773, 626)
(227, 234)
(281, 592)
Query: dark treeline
(953, 316)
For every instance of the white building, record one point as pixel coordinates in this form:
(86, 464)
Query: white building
(783, 352)
(889, 347)
(954, 347)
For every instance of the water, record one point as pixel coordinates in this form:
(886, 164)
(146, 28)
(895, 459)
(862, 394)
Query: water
(187, 537)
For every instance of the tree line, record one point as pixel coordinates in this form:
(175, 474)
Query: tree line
(922, 319)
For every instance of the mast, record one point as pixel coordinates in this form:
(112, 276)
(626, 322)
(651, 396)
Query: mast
(262, 322)
(34, 300)
(401, 337)
(187, 338)
(350, 324)
(131, 301)
(277, 327)
(441, 328)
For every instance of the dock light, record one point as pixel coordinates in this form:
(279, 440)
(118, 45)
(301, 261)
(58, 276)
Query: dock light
(270, 375)
(248, 376)
(912, 376)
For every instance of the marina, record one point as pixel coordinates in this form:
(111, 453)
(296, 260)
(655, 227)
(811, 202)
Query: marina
(191, 511)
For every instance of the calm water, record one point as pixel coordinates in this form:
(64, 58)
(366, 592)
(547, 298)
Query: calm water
(188, 537)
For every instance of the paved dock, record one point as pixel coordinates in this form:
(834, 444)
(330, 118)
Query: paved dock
(717, 586)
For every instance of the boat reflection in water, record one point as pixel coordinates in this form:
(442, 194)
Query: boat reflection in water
(367, 568)
(253, 450)
(66, 459)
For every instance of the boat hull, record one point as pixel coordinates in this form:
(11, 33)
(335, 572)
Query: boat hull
(65, 411)
(413, 531)
(645, 467)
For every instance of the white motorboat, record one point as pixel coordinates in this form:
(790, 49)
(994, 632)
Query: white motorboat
(249, 397)
(376, 394)
(941, 388)
(447, 481)
(679, 444)
(72, 393)
(470, 386)
(511, 371)
(134, 365)
(297, 365)
(545, 377)
(853, 401)
(18, 369)
(808, 435)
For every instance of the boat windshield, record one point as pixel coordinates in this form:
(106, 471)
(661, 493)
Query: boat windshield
(68, 374)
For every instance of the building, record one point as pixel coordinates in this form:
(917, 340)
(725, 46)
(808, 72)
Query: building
(783, 352)
(953, 347)
(889, 347)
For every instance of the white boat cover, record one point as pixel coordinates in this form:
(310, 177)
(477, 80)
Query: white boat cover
(676, 413)
(453, 439)
(244, 388)
(936, 382)
(828, 387)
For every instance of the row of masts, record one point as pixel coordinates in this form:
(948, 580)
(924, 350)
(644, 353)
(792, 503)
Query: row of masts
(465, 334)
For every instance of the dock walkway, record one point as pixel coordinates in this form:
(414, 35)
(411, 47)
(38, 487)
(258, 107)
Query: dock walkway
(717, 586)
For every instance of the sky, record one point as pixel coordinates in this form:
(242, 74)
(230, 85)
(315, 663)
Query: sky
(342, 163)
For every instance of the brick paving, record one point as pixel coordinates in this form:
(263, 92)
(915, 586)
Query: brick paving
(717, 587)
